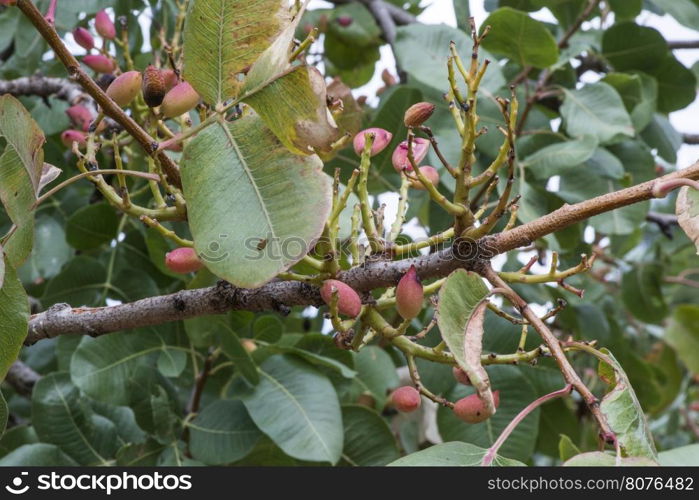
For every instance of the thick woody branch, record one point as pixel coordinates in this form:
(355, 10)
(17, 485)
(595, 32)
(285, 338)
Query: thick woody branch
(44, 86)
(280, 295)
(570, 214)
(109, 107)
(22, 378)
(684, 44)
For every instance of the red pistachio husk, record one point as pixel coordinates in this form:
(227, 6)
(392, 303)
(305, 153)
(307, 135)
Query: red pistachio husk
(83, 38)
(104, 25)
(461, 376)
(125, 88)
(406, 399)
(400, 154)
(409, 294)
(183, 260)
(348, 301)
(170, 78)
(417, 114)
(68, 137)
(179, 100)
(430, 173)
(99, 63)
(80, 116)
(382, 138)
(472, 410)
(153, 86)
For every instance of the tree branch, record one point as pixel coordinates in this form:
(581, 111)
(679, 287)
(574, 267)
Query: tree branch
(690, 138)
(570, 214)
(109, 107)
(44, 86)
(280, 295)
(22, 378)
(683, 44)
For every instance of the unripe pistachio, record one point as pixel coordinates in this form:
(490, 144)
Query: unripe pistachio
(345, 21)
(83, 38)
(461, 376)
(430, 173)
(99, 63)
(417, 114)
(400, 154)
(472, 410)
(382, 138)
(348, 301)
(80, 116)
(104, 25)
(125, 88)
(169, 78)
(68, 137)
(409, 294)
(153, 86)
(179, 100)
(183, 260)
(249, 345)
(406, 399)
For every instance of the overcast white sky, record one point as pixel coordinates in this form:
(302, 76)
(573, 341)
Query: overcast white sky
(442, 11)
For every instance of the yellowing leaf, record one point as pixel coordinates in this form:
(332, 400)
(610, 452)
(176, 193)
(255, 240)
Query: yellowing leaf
(223, 38)
(687, 210)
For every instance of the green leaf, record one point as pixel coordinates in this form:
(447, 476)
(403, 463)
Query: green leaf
(684, 456)
(422, 51)
(80, 283)
(315, 359)
(676, 84)
(520, 38)
(234, 349)
(683, 335)
(624, 414)
(368, 438)
(686, 12)
(50, 251)
(516, 392)
(223, 38)
(14, 316)
(37, 454)
(639, 93)
(171, 363)
(628, 46)
(361, 32)
(222, 433)
(557, 158)
(602, 459)
(661, 135)
(268, 329)
(298, 408)
(451, 455)
(596, 109)
(376, 373)
(641, 291)
(294, 107)
(60, 418)
(244, 187)
(566, 448)
(626, 9)
(102, 366)
(139, 454)
(92, 226)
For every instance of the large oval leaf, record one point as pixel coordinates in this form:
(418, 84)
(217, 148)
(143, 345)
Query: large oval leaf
(244, 188)
(223, 38)
(520, 38)
(222, 433)
(450, 455)
(368, 438)
(14, 316)
(59, 418)
(298, 408)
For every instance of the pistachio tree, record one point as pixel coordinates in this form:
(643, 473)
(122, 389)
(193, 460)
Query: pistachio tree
(200, 266)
